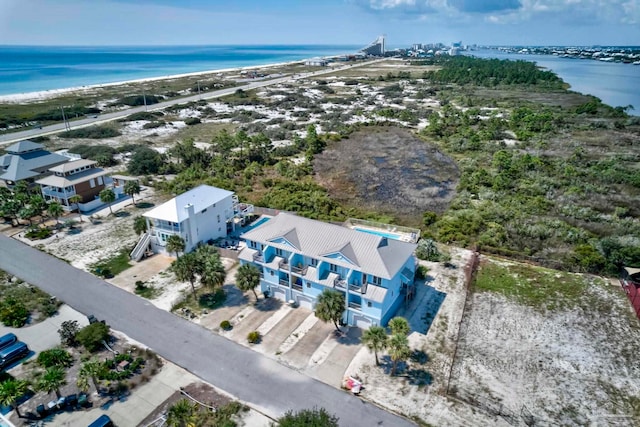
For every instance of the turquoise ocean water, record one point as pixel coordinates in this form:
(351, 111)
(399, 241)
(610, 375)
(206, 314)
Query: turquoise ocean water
(35, 68)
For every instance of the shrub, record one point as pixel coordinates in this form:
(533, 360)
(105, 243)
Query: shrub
(91, 336)
(68, 331)
(192, 121)
(421, 272)
(91, 132)
(308, 417)
(145, 161)
(253, 337)
(225, 325)
(13, 313)
(37, 233)
(55, 357)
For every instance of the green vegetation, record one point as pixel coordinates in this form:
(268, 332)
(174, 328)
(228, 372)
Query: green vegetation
(92, 336)
(225, 325)
(248, 278)
(110, 267)
(185, 413)
(91, 132)
(254, 337)
(330, 307)
(308, 418)
(20, 302)
(11, 391)
(108, 196)
(51, 380)
(148, 292)
(13, 313)
(145, 161)
(103, 154)
(537, 287)
(68, 331)
(375, 338)
(55, 357)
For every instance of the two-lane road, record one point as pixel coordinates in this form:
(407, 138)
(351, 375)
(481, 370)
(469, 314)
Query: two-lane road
(12, 137)
(261, 382)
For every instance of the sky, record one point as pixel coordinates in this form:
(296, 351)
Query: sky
(328, 22)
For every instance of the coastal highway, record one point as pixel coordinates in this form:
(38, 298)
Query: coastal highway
(261, 382)
(12, 137)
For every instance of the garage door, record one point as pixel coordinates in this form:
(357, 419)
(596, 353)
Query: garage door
(362, 322)
(279, 294)
(305, 302)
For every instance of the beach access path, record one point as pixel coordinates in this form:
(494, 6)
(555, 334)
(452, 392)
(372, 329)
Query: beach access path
(12, 137)
(262, 383)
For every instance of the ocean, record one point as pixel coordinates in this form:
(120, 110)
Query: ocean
(616, 84)
(36, 68)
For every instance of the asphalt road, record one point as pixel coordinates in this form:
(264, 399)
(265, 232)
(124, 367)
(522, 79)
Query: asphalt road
(253, 378)
(12, 137)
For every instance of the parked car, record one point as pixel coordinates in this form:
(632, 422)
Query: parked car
(7, 340)
(10, 354)
(102, 421)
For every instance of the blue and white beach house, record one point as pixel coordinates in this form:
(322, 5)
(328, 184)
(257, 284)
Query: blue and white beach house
(300, 257)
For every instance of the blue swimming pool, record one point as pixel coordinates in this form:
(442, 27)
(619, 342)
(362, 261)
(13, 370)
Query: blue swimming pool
(378, 233)
(257, 223)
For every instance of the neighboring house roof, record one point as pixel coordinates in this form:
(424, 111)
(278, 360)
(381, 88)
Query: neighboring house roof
(24, 147)
(200, 197)
(69, 180)
(26, 165)
(336, 244)
(125, 178)
(71, 165)
(633, 272)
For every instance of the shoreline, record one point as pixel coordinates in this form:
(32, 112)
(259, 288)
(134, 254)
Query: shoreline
(42, 95)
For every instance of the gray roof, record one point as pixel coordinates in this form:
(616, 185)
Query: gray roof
(72, 164)
(17, 167)
(200, 197)
(338, 245)
(24, 147)
(76, 178)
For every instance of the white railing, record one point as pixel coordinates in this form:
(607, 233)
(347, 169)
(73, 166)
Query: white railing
(141, 247)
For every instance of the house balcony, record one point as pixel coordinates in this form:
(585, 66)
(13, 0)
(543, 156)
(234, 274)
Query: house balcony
(282, 264)
(167, 228)
(297, 287)
(258, 257)
(300, 271)
(283, 282)
(358, 289)
(57, 192)
(340, 283)
(355, 306)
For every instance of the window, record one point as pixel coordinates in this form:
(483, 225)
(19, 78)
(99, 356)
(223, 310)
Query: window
(100, 182)
(204, 210)
(271, 272)
(333, 268)
(369, 304)
(218, 218)
(92, 183)
(278, 251)
(308, 284)
(376, 280)
(314, 262)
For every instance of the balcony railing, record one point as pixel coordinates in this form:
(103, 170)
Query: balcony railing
(360, 289)
(355, 305)
(59, 193)
(282, 263)
(258, 257)
(297, 286)
(299, 270)
(284, 282)
(340, 283)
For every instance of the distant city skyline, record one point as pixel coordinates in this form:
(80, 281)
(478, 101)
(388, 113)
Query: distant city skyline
(349, 22)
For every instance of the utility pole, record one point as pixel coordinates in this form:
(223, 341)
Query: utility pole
(67, 126)
(198, 81)
(144, 98)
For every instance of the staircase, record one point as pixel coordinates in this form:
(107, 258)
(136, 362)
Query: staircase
(141, 247)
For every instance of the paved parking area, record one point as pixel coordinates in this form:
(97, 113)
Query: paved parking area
(299, 356)
(271, 341)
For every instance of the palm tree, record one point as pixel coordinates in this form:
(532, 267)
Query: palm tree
(375, 338)
(210, 268)
(399, 325)
(181, 414)
(398, 350)
(52, 379)
(140, 225)
(131, 188)
(108, 196)
(247, 278)
(185, 269)
(55, 210)
(330, 307)
(175, 244)
(90, 369)
(76, 199)
(11, 391)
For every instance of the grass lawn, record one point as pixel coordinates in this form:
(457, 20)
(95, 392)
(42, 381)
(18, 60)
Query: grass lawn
(147, 292)
(112, 266)
(37, 304)
(537, 287)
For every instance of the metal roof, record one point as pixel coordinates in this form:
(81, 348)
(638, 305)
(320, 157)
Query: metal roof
(71, 165)
(24, 147)
(76, 178)
(200, 197)
(29, 164)
(356, 250)
(375, 293)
